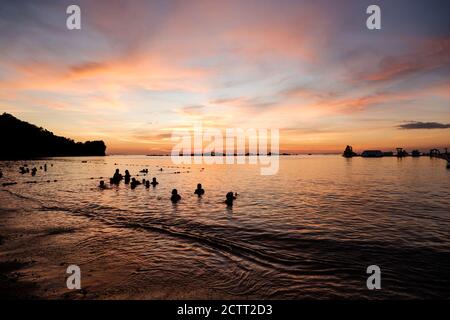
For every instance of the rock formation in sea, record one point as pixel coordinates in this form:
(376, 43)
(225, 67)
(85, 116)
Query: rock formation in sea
(348, 152)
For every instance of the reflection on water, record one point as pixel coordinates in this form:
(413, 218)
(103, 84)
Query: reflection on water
(309, 231)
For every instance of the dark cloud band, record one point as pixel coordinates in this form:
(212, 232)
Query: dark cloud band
(424, 125)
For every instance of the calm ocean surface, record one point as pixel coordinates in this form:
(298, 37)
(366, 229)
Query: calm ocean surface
(308, 232)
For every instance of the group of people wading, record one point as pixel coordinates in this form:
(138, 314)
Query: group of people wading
(175, 197)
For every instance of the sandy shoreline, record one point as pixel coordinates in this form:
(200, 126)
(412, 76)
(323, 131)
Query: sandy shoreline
(29, 264)
(36, 249)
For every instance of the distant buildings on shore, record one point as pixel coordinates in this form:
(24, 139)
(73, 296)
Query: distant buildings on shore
(400, 153)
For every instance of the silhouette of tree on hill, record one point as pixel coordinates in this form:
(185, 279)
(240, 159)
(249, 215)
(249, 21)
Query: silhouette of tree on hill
(21, 140)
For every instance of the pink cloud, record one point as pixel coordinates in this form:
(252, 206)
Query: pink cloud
(431, 55)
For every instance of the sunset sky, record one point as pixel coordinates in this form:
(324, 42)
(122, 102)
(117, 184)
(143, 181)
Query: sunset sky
(137, 70)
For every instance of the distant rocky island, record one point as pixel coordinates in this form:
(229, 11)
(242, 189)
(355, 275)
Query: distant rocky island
(22, 140)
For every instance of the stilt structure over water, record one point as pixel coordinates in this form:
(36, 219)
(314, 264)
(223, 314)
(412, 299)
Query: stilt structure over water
(436, 153)
(401, 153)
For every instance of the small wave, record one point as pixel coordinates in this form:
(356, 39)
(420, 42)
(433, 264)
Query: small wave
(22, 197)
(291, 254)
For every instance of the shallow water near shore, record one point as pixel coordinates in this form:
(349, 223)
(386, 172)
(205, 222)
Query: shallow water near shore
(309, 231)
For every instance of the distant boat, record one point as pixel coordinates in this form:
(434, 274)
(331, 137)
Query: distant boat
(372, 154)
(415, 153)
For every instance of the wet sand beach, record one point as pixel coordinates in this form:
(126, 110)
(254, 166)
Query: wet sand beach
(36, 251)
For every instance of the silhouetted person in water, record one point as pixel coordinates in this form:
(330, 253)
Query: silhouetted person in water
(33, 171)
(45, 167)
(199, 191)
(134, 183)
(102, 185)
(175, 196)
(127, 177)
(147, 184)
(117, 177)
(230, 198)
(154, 182)
(1, 174)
